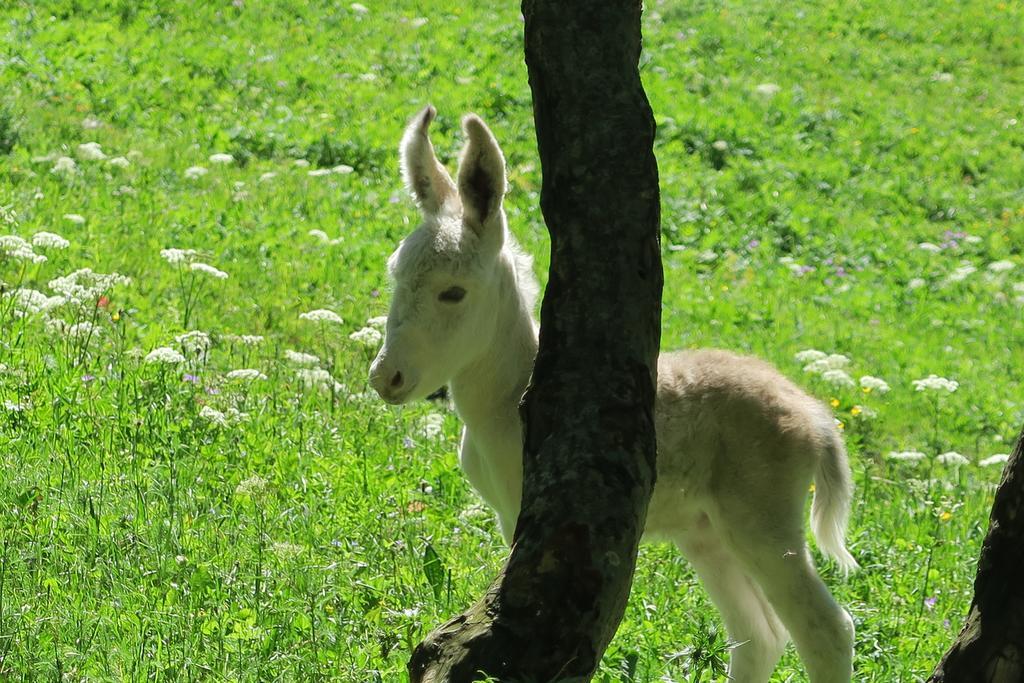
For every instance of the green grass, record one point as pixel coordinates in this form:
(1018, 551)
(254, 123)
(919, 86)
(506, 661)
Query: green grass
(324, 533)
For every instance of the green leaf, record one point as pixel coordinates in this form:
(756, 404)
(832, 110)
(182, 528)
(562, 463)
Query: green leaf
(434, 570)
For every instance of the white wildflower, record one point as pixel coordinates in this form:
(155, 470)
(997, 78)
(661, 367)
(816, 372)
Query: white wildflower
(245, 374)
(244, 339)
(874, 384)
(302, 359)
(367, 336)
(176, 256)
(12, 246)
(907, 456)
(342, 169)
(378, 321)
(322, 315)
(998, 459)
(13, 407)
(195, 342)
(235, 416)
(56, 326)
(961, 272)
(1001, 266)
(75, 218)
(49, 240)
(64, 166)
(320, 235)
(359, 8)
(952, 459)
(839, 378)
(930, 247)
(29, 301)
(707, 256)
(221, 158)
(431, 426)
(213, 416)
(943, 77)
(916, 283)
(317, 378)
(767, 89)
(91, 151)
(301, 163)
(120, 162)
(833, 361)
(317, 172)
(195, 172)
(936, 383)
(268, 176)
(253, 486)
(85, 286)
(83, 331)
(164, 355)
(807, 355)
(208, 269)
(91, 123)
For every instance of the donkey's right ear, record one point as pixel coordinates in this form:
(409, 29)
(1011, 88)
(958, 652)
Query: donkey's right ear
(426, 178)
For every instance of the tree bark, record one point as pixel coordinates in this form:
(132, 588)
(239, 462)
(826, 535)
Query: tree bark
(990, 647)
(589, 442)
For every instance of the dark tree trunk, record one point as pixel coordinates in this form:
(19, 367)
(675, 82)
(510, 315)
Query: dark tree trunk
(990, 647)
(589, 454)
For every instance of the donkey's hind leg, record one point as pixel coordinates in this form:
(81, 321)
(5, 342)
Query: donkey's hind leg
(771, 547)
(757, 636)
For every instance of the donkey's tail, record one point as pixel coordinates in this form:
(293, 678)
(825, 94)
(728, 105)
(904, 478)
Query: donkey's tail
(833, 492)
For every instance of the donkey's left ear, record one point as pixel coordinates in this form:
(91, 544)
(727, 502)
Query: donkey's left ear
(481, 175)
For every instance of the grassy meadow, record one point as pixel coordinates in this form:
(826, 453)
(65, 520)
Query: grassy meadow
(196, 482)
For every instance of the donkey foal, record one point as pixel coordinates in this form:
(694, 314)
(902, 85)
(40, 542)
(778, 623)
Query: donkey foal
(738, 444)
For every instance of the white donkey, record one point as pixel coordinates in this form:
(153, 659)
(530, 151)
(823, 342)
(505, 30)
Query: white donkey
(738, 444)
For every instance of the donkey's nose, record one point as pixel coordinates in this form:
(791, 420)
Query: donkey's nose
(397, 381)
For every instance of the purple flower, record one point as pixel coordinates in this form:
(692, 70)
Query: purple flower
(753, 244)
(408, 442)
(190, 378)
(88, 378)
(930, 602)
(212, 391)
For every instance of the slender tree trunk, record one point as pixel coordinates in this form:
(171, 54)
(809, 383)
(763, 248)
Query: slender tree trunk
(589, 438)
(990, 647)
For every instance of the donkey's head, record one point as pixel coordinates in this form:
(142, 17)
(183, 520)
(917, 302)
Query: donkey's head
(446, 282)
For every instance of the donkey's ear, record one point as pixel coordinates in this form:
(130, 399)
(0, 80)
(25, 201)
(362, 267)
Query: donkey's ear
(426, 178)
(481, 174)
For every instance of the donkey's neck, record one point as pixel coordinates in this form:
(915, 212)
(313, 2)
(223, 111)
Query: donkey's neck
(487, 391)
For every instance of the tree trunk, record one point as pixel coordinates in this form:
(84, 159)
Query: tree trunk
(589, 443)
(990, 647)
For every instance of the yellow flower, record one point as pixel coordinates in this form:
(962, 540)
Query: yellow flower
(840, 425)
(855, 411)
(946, 516)
(866, 390)
(834, 402)
(811, 488)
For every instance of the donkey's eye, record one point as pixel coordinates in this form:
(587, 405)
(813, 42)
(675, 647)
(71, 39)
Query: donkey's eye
(452, 295)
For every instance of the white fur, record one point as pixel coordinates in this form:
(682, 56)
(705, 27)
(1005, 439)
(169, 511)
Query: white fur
(738, 444)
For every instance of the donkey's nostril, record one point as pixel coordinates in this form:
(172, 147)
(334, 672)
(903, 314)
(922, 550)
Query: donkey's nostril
(396, 381)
